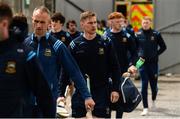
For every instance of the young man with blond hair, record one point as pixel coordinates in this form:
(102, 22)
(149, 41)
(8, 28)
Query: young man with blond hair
(150, 46)
(97, 70)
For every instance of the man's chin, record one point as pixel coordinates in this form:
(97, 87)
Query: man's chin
(39, 33)
(3, 38)
(92, 33)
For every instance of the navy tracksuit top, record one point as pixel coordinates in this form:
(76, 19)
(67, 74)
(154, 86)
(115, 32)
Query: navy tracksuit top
(53, 54)
(150, 45)
(125, 47)
(97, 58)
(20, 76)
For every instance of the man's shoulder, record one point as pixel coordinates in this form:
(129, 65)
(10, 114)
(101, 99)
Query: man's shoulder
(78, 39)
(104, 40)
(155, 32)
(125, 33)
(107, 33)
(77, 42)
(28, 40)
(52, 40)
(65, 33)
(55, 43)
(139, 32)
(27, 50)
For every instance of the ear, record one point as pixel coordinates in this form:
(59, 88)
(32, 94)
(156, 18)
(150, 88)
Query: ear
(82, 24)
(111, 21)
(4, 26)
(5, 23)
(32, 18)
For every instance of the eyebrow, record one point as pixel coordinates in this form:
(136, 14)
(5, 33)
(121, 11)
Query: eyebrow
(39, 21)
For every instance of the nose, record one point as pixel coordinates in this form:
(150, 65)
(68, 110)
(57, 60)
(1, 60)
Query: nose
(94, 24)
(39, 24)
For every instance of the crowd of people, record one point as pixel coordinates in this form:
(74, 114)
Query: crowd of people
(36, 68)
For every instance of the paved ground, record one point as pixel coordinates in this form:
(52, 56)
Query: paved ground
(168, 100)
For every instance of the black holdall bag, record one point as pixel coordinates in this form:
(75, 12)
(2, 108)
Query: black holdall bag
(130, 95)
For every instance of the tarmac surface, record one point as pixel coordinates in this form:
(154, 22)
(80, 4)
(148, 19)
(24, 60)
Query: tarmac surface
(167, 103)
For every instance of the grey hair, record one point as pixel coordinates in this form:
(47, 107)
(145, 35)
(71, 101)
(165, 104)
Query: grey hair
(42, 9)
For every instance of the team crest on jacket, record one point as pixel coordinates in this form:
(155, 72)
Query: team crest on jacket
(20, 50)
(47, 52)
(63, 39)
(11, 67)
(124, 39)
(101, 51)
(152, 37)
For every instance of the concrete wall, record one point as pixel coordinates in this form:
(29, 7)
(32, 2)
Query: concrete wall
(167, 21)
(101, 7)
(166, 12)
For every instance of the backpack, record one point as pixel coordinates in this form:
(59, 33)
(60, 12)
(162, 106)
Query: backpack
(130, 95)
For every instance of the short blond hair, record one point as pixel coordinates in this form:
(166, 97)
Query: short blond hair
(115, 15)
(87, 14)
(147, 18)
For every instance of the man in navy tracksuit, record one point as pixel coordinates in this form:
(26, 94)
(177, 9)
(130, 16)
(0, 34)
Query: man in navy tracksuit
(20, 75)
(57, 23)
(53, 54)
(98, 62)
(71, 26)
(123, 42)
(151, 45)
(125, 48)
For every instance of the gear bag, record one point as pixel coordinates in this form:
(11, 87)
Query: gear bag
(130, 95)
